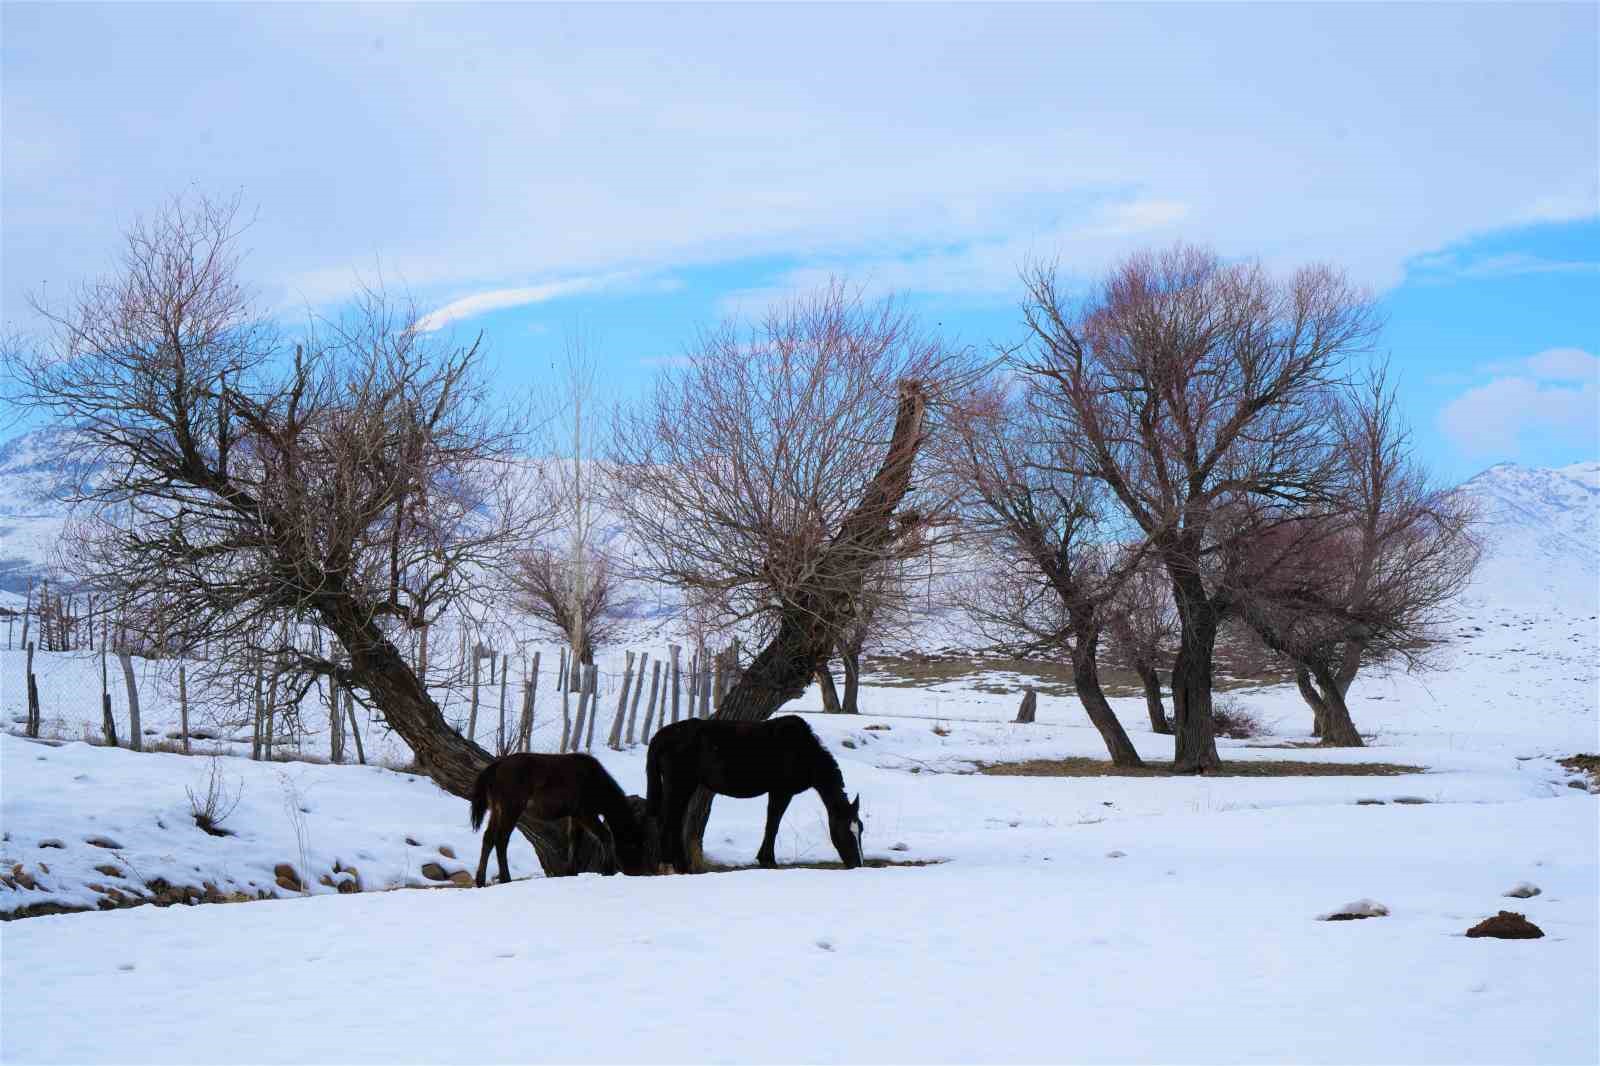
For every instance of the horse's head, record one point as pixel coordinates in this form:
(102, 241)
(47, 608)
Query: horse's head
(844, 825)
(636, 838)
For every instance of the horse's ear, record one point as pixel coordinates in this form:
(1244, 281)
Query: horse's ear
(855, 804)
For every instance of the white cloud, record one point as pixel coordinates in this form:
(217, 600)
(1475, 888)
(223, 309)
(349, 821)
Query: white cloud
(1140, 216)
(480, 303)
(1551, 398)
(1565, 364)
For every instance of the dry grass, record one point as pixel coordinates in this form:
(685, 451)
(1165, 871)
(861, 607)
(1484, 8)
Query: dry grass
(1085, 767)
(875, 864)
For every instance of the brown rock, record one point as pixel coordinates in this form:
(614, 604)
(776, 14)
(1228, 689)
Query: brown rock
(461, 877)
(109, 870)
(287, 878)
(446, 851)
(102, 842)
(1507, 925)
(51, 843)
(434, 872)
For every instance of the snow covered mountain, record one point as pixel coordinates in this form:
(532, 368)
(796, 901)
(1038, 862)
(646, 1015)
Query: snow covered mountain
(1541, 534)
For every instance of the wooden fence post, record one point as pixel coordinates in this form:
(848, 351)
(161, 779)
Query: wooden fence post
(614, 740)
(676, 651)
(108, 721)
(183, 696)
(567, 709)
(650, 708)
(529, 689)
(502, 739)
(472, 715)
(705, 685)
(355, 730)
(583, 709)
(33, 696)
(638, 689)
(135, 733)
(594, 705)
(1030, 705)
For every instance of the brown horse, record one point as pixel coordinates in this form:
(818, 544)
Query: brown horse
(550, 787)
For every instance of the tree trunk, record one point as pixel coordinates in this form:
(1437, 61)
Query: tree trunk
(135, 733)
(1029, 707)
(810, 627)
(1152, 698)
(335, 722)
(851, 658)
(1313, 698)
(1338, 730)
(1196, 746)
(270, 712)
(830, 694)
(1086, 680)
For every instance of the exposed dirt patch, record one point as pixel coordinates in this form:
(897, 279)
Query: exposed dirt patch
(1507, 925)
(1587, 765)
(1236, 668)
(1085, 767)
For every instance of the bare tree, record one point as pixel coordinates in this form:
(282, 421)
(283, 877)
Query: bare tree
(546, 583)
(1051, 572)
(356, 481)
(773, 473)
(1367, 578)
(1184, 383)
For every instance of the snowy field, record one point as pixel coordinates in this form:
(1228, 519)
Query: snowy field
(1084, 919)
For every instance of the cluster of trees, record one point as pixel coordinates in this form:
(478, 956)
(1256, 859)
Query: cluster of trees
(1188, 445)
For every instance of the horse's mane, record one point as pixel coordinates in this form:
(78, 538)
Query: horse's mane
(829, 777)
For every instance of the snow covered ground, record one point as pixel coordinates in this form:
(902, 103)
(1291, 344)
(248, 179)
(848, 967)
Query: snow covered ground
(1073, 919)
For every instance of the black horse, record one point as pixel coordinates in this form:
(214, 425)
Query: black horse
(779, 757)
(549, 787)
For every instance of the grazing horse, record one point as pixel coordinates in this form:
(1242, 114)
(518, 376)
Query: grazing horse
(549, 787)
(779, 757)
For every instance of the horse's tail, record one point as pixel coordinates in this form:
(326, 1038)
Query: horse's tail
(480, 793)
(655, 785)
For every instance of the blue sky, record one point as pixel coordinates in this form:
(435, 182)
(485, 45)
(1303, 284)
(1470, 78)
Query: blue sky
(635, 172)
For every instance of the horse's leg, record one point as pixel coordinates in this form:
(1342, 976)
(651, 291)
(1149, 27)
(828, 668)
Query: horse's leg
(777, 803)
(572, 846)
(676, 806)
(490, 834)
(501, 841)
